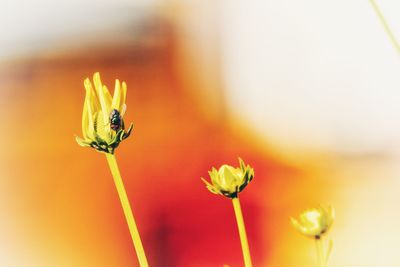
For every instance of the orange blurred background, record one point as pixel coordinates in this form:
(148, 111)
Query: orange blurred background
(58, 203)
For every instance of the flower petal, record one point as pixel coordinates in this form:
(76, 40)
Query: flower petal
(210, 187)
(82, 142)
(301, 228)
(241, 164)
(101, 127)
(116, 101)
(128, 132)
(107, 96)
(101, 95)
(330, 216)
(123, 96)
(85, 118)
(88, 110)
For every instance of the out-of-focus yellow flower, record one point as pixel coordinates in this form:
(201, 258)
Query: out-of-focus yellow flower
(102, 119)
(229, 181)
(314, 222)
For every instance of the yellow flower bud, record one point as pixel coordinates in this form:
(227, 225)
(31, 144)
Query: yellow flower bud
(229, 181)
(314, 222)
(102, 119)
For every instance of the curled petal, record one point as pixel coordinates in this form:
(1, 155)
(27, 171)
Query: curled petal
(82, 142)
(116, 101)
(210, 187)
(88, 111)
(123, 95)
(107, 96)
(242, 165)
(101, 95)
(214, 176)
(85, 120)
(101, 127)
(331, 215)
(298, 226)
(127, 133)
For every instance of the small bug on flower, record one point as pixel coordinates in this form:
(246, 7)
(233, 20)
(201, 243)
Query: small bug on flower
(116, 121)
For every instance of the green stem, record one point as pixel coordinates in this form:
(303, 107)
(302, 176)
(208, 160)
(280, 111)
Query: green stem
(242, 232)
(320, 252)
(385, 25)
(112, 162)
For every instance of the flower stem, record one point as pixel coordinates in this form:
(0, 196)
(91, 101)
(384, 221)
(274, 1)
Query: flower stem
(385, 25)
(112, 162)
(320, 253)
(242, 232)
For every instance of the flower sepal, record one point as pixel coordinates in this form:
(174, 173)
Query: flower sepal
(102, 146)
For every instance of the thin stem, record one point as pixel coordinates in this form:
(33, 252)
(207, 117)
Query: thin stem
(328, 252)
(320, 252)
(242, 232)
(112, 162)
(385, 25)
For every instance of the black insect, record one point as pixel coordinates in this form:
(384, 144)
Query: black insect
(115, 120)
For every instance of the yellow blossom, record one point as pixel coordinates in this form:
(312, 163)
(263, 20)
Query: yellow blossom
(229, 181)
(102, 119)
(314, 222)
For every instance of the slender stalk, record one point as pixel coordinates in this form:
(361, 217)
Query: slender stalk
(320, 253)
(328, 252)
(385, 25)
(112, 162)
(242, 232)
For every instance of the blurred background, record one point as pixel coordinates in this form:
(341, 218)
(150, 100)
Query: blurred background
(306, 92)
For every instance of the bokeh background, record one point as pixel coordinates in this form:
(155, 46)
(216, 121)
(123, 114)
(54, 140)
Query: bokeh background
(307, 92)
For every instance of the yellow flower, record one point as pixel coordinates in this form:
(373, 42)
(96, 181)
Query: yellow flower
(229, 181)
(314, 222)
(102, 119)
